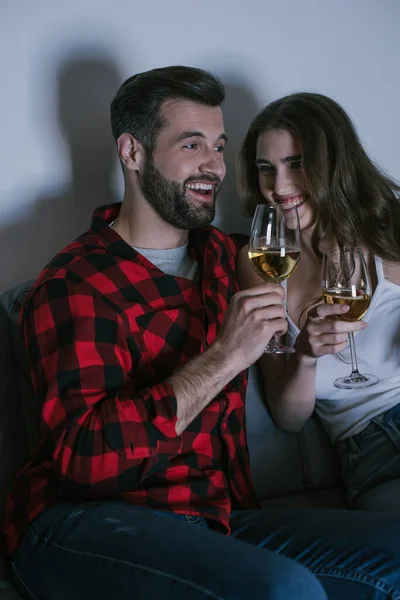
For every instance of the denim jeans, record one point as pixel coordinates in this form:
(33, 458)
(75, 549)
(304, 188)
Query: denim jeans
(115, 551)
(370, 464)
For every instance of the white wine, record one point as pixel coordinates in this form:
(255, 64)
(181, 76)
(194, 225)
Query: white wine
(358, 304)
(274, 264)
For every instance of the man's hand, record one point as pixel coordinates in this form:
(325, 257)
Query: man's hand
(253, 317)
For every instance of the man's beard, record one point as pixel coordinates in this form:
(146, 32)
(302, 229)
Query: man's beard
(169, 200)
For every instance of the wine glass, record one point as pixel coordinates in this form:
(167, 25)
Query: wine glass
(274, 250)
(345, 280)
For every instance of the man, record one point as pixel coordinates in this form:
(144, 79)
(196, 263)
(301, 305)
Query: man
(138, 342)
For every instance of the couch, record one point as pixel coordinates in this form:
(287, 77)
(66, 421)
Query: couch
(289, 470)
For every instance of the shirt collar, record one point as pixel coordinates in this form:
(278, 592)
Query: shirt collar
(206, 244)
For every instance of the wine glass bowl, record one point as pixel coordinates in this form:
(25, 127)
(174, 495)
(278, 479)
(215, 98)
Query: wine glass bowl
(274, 250)
(346, 281)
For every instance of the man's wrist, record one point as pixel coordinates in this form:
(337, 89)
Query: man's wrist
(225, 360)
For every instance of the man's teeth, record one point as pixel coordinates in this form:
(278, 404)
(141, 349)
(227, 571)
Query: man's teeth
(292, 203)
(199, 186)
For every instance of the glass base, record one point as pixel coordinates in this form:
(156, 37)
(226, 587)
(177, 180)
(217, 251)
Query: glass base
(275, 348)
(355, 381)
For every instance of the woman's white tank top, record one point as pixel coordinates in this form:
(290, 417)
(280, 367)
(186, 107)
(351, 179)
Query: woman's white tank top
(346, 412)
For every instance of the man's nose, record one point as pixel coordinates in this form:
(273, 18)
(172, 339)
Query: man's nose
(214, 164)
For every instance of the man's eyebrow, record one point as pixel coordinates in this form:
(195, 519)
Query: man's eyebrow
(264, 161)
(189, 134)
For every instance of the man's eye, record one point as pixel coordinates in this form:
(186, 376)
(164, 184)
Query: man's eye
(191, 146)
(297, 164)
(220, 148)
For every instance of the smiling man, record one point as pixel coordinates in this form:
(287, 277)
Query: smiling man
(138, 342)
(175, 184)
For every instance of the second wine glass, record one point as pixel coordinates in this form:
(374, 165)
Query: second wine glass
(346, 280)
(274, 250)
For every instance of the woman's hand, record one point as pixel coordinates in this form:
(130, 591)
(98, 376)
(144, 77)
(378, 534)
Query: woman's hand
(324, 332)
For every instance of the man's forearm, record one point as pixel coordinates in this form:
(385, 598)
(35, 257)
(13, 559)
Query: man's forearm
(199, 381)
(252, 318)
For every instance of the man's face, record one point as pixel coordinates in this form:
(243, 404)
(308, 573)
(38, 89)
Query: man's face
(183, 176)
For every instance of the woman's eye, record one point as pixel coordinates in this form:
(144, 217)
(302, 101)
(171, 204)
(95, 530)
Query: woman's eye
(297, 164)
(265, 169)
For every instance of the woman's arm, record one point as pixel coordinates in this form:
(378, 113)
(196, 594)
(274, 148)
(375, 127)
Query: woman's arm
(289, 382)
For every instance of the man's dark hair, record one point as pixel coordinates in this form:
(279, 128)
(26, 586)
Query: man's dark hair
(136, 106)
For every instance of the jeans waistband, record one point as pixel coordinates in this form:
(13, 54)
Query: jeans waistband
(376, 421)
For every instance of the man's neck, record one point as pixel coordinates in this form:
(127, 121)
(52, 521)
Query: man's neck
(142, 227)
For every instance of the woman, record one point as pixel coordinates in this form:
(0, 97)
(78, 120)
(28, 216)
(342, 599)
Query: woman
(302, 151)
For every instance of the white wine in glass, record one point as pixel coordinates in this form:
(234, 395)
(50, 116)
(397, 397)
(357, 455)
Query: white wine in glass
(345, 280)
(275, 264)
(274, 250)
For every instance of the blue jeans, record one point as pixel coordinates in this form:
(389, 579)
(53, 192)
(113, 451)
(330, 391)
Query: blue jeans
(116, 551)
(370, 464)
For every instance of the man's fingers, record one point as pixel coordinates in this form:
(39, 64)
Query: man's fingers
(248, 304)
(262, 289)
(270, 313)
(276, 326)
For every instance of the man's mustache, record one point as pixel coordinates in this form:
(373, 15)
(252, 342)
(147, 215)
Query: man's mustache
(214, 179)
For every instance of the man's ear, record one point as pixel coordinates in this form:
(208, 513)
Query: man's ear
(131, 152)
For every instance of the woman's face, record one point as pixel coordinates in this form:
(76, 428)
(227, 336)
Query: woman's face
(281, 175)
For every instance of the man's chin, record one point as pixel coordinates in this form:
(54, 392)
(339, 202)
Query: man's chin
(200, 219)
(206, 217)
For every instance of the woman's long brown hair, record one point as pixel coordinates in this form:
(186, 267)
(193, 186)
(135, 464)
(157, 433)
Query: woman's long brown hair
(350, 195)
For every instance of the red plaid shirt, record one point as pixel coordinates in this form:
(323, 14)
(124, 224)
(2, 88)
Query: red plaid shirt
(104, 329)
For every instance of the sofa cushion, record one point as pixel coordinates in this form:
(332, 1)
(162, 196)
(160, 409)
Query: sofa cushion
(275, 458)
(18, 408)
(332, 497)
(8, 591)
(9, 594)
(285, 463)
(19, 413)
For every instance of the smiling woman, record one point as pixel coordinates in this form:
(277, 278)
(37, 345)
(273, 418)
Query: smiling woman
(303, 153)
(280, 174)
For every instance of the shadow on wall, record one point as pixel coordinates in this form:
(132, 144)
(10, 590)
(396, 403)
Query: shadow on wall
(85, 87)
(240, 108)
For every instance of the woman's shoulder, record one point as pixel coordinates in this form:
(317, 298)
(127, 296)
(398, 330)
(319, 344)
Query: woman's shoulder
(391, 271)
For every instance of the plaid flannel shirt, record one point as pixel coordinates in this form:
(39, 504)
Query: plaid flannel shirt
(104, 329)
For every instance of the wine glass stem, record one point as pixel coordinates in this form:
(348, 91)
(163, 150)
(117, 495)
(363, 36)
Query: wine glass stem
(354, 365)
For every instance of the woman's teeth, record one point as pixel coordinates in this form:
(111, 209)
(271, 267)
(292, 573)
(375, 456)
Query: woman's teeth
(292, 203)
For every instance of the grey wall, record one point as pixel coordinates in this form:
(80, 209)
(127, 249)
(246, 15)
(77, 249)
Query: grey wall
(62, 61)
